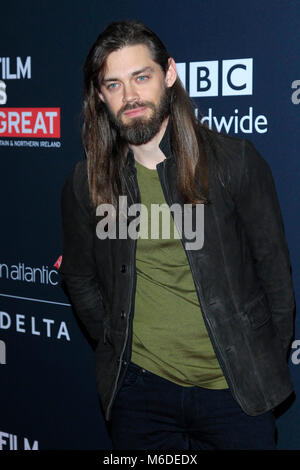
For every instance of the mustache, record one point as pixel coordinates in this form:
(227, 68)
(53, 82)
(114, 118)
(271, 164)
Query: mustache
(130, 106)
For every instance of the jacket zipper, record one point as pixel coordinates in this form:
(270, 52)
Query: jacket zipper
(206, 319)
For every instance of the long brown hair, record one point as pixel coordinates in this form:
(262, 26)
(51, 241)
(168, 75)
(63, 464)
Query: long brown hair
(105, 151)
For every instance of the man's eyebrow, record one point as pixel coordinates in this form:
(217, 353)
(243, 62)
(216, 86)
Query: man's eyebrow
(145, 69)
(137, 72)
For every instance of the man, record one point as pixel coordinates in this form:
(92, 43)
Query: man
(192, 334)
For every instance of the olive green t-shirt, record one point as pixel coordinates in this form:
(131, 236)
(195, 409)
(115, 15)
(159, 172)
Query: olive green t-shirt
(169, 335)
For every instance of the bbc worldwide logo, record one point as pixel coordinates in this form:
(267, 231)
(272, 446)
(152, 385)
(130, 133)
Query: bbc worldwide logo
(217, 77)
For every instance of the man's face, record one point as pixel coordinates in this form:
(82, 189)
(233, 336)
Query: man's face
(136, 93)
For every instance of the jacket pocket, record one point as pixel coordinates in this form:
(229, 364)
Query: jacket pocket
(258, 312)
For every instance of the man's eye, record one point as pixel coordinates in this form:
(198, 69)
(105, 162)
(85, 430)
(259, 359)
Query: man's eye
(112, 86)
(142, 78)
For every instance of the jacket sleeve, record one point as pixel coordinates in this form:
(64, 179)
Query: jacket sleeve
(78, 268)
(258, 208)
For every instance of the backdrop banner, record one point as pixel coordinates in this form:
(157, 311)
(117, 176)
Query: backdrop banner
(239, 62)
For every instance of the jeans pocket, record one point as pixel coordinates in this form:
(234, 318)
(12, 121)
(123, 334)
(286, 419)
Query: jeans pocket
(133, 373)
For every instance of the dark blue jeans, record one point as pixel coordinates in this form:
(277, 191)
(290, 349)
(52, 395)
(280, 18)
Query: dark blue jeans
(153, 413)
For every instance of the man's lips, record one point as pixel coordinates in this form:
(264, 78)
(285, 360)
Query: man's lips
(135, 112)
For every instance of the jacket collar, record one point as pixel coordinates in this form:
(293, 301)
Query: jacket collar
(164, 145)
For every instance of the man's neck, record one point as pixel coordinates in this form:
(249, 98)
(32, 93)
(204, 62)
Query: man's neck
(150, 154)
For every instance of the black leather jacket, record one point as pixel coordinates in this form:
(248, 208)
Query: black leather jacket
(242, 273)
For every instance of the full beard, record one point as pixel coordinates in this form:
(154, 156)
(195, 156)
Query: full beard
(141, 130)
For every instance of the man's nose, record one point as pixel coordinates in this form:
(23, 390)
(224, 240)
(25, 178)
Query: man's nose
(130, 93)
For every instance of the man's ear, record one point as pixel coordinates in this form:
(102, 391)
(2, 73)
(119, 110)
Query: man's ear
(171, 73)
